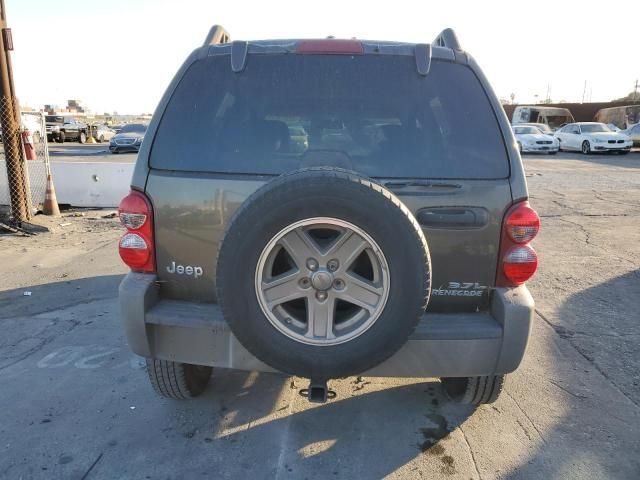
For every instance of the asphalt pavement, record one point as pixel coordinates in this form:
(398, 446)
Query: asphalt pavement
(77, 404)
(97, 152)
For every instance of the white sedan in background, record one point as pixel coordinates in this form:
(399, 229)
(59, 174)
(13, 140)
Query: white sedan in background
(530, 139)
(103, 133)
(587, 137)
(543, 127)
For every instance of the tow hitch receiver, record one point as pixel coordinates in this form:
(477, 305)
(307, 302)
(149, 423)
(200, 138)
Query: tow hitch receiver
(318, 392)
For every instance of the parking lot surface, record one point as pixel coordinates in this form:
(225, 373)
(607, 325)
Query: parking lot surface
(76, 152)
(76, 403)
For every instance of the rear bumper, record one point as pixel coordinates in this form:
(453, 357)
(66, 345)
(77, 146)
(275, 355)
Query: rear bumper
(443, 345)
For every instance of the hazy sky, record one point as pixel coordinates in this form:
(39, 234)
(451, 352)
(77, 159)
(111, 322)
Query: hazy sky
(120, 55)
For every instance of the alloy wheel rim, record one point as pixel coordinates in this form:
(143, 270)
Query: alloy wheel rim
(322, 281)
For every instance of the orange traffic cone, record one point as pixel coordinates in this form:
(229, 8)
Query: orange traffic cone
(50, 206)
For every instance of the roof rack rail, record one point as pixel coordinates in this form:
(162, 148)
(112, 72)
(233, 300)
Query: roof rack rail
(448, 38)
(217, 35)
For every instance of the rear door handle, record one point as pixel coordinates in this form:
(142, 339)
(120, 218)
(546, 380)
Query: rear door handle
(453, 217)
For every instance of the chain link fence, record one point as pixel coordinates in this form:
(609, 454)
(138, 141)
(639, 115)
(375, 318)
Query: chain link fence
(29, 189)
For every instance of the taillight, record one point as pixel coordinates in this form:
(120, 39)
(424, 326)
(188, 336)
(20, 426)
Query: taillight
(522, 223)
(518, 261)
(136, 246)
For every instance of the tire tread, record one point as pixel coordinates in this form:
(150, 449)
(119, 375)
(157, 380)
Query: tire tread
(478, 390)
(168, 379)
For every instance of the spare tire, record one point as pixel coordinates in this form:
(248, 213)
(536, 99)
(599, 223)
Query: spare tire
(323, 273)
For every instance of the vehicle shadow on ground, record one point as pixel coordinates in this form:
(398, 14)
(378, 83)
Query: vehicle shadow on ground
(35, 299)
(598, 426)
(360, 434)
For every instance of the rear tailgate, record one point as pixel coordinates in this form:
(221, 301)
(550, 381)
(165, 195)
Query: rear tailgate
(461, 220)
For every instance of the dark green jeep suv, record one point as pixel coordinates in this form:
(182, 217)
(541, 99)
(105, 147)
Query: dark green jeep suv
(327, 208)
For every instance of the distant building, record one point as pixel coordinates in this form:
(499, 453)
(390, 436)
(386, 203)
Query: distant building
(73, 107)
(76, 109)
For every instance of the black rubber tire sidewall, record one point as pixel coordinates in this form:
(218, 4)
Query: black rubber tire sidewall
(291, 199)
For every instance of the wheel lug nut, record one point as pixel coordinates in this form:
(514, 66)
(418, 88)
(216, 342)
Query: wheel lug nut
(338, 284)
(312, 264)
(321, 296)
(332, 265)
(304, 282)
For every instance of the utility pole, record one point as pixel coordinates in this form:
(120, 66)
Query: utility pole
(635, 92)
(547, 99)
(584, 91)
(10, 121)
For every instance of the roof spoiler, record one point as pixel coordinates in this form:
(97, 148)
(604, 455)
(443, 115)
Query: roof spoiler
(217, 35)
(448, 38)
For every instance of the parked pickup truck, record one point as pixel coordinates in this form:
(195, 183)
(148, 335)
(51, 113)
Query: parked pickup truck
(61, 128)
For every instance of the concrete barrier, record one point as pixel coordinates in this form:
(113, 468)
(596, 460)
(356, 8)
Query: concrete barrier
(91, 184)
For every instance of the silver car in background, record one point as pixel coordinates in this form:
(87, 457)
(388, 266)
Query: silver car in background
(543, 127)
(532, 140)
(129, 139)
(102, 133)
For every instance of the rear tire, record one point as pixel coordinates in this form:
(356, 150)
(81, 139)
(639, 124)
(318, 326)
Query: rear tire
(175, 380)
(586, 148)
(101, 139)
(82, 138)
(61, 138)
(474, 390)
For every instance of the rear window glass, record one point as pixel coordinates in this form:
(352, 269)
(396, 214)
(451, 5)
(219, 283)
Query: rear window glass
(372, 114)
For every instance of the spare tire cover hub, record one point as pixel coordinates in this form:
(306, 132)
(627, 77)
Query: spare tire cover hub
(307, 302)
